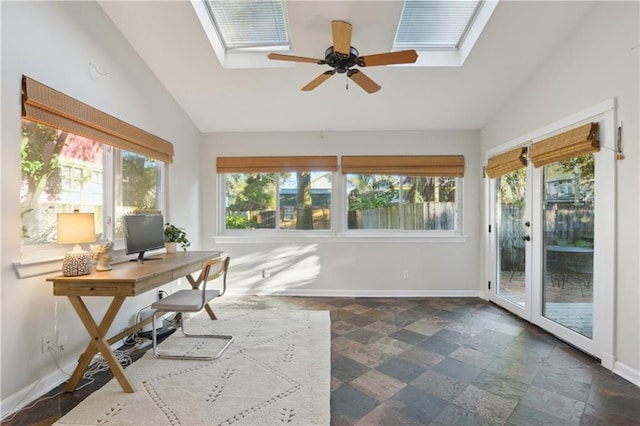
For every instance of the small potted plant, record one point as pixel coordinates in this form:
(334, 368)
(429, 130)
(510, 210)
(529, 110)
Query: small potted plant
(174, 236)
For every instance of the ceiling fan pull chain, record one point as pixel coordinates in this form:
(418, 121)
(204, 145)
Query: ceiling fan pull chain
(346, 81)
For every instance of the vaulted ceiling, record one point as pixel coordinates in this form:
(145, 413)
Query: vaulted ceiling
(518, 39)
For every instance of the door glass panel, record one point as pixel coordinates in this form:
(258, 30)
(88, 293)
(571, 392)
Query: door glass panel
(567, 281)
(510, 221)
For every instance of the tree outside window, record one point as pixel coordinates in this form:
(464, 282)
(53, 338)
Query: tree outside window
(278, 201)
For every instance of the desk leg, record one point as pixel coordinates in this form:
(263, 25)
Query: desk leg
(195, 285)
(98, 343)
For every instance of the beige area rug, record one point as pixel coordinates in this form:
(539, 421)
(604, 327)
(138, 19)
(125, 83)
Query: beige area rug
(276, 371)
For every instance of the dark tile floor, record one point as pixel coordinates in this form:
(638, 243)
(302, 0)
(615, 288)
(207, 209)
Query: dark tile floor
(439, 361)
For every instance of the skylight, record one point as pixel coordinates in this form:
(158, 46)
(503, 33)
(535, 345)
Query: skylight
(435, 24)
(242, 31)
(249, 24)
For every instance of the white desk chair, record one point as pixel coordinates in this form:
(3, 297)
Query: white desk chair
(194, 300)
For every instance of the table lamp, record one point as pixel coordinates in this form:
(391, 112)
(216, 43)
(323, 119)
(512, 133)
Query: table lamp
(76, 228)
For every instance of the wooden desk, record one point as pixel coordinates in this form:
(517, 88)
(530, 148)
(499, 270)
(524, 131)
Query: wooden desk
(124, 280)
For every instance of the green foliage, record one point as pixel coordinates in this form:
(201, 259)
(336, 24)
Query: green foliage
(583, 168)
(40, 149)
(512, 187)
(583, 165)
(236, 221)
(173, 234)
(371, 191)
(255, 192)
(421, 189)
(140, 174)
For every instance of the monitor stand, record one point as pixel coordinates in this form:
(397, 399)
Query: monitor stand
(142, 259)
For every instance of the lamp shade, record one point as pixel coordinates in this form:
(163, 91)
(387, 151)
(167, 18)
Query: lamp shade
(76, 228)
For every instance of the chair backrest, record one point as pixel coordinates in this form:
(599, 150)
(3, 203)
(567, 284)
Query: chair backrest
(214, 268)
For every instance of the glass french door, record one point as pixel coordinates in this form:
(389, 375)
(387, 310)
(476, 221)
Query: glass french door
(512, 226)
(568, 243)
(544, 220)
(552, 241)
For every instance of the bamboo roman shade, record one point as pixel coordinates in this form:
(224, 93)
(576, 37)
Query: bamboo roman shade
(573, 143)
(407, 165)
(47, 106)
(276, 164)
(507, 162)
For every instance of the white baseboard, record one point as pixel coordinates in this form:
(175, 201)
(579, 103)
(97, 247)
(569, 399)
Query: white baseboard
(627, 372)
(359, 293)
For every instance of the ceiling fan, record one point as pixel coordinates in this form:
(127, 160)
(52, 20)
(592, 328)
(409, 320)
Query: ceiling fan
(342, 57)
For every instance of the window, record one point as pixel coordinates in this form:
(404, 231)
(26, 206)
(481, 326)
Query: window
(429, 24)
(62, 172)
(409, 203)
(277, 193)
(397, 193)
(246, 24)
(74, 157)
(403, 193)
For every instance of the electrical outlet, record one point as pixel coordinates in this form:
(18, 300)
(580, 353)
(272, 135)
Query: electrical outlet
(405, 274)
(47, 343)
(266, 273)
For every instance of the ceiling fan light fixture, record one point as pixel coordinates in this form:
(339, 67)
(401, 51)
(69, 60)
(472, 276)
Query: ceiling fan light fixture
(341, 62)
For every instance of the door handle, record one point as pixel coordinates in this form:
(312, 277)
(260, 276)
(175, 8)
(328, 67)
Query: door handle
(526, 238)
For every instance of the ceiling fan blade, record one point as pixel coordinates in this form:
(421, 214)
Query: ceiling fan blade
(401, 57)
(281, 57)
(318, 80)
(341, 37)
(363, 81)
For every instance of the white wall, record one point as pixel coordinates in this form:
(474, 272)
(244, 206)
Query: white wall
(599, 62)
(341, 265)
(54, 43)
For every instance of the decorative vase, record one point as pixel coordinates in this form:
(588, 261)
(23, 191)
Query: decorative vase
(171, 247)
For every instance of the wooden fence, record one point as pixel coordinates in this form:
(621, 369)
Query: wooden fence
(418, 216)
(563, 224)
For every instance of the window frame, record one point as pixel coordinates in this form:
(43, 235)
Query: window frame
(34, 253)
(222, 231)
(339, 232)
(407, 233)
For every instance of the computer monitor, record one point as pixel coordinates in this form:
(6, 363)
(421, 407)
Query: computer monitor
(143, 232)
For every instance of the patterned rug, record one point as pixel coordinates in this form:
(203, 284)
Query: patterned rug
(276, 371)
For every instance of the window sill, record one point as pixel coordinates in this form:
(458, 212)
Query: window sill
(368, 238)
(34, 266)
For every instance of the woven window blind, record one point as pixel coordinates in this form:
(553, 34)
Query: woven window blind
(407, 165)
(507, 162)
(276, 164)
(47, 106)
(572, 143)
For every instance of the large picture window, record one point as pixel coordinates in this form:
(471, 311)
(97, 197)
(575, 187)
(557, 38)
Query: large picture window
(409, 203)
(403, 193)
(283, 201)
(63, 172)
(75, 157)
(277, 193)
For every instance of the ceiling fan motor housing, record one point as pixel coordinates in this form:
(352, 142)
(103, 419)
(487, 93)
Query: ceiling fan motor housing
(340, 62)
